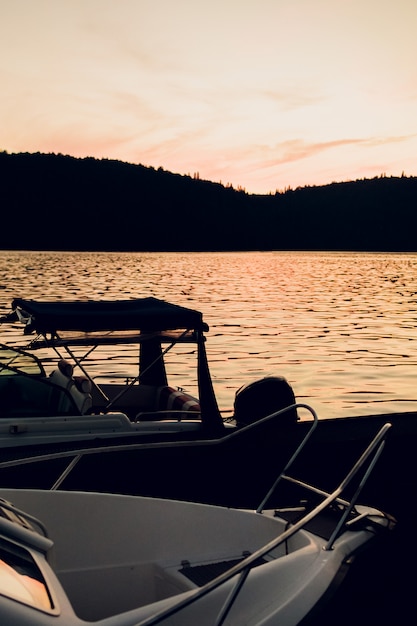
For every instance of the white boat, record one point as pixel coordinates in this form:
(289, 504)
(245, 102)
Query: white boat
(119, 560)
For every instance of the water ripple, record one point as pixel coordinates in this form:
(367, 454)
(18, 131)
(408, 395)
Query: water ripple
(339, 326)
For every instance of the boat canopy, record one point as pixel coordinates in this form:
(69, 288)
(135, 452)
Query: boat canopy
(142, 314)
(147, 321)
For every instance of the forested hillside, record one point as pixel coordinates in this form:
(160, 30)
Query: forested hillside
(56, 202)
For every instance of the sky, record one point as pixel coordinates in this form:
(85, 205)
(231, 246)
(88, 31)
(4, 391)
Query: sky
(263, 95)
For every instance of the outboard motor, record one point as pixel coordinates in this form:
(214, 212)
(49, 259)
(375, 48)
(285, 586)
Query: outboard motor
(263, 397)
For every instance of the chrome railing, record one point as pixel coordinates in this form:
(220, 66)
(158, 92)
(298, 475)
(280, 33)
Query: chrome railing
(243, 568)
(76, 454)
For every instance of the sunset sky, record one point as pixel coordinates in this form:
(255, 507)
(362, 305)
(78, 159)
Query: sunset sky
(260, 94)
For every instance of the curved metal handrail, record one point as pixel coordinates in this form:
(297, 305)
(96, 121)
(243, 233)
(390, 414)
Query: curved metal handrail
(243, 568)
(75, 452)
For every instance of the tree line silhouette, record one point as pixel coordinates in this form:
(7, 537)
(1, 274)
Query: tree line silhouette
(58, 202)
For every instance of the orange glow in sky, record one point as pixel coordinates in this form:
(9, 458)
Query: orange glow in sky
(260, 94)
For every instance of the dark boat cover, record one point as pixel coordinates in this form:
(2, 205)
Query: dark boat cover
(143, 314)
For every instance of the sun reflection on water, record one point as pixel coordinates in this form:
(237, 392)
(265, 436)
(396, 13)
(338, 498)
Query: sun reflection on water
(339, 326)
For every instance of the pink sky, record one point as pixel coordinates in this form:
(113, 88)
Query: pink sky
(260, 94)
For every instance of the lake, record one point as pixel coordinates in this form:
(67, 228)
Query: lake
(341, 327)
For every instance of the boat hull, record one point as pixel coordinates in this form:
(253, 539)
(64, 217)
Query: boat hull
(122, 559)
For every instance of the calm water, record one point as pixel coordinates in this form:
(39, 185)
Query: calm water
(341, 327)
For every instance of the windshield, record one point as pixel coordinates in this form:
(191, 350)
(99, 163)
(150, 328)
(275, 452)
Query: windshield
(21, 578)
(25, 390)
(13, 361)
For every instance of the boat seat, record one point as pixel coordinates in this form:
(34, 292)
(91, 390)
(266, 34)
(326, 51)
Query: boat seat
(125, 398)
(78, 386)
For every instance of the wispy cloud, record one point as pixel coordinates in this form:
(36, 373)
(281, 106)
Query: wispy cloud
(382, 141)
(298, 149)
(294, 98)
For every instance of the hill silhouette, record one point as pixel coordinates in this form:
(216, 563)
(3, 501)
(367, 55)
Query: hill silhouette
(57, 202)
